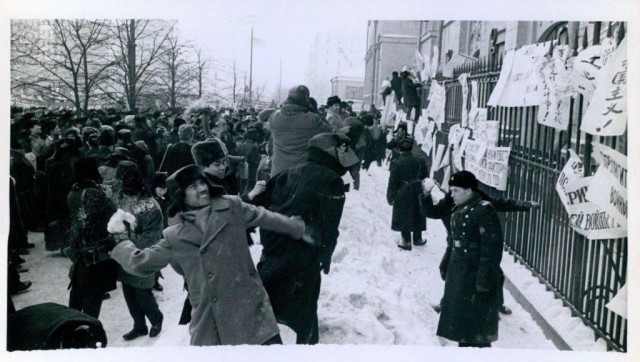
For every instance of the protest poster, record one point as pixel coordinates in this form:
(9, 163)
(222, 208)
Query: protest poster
(418, 63)
(456, 60)
(435, 56)
(473, 154)
(492, 168)
(476, 115)
(428, 136)
(464, 120)
(606, 114)
(438, 152)
(572, 170)
(588, 63)
(487, 131)
(505, 71)
(520, 88)
(435, 110)
(618, 304)
(555, 90)
(388, 112)
(609, 187)
(585, 217)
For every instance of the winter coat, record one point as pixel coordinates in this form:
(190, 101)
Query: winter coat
(334, 120)
(148, 231)
(249, 150)
(403, 192)
(291, 128)
(176, 157)
(230, 305)
(89, 217)
(290, 271)
(467, 315)
(59, 176)
(410, 93)
(396, 85)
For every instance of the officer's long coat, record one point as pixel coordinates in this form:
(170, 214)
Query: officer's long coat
(230, 305)
(476, 238)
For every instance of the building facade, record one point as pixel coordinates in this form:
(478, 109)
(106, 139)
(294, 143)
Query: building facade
(349, 89)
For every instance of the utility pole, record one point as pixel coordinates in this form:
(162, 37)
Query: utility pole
(251, 68)
(280, 83)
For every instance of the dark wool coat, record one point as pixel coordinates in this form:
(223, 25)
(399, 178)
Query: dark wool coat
(403, 192)
(290, 270)
(230, 305)
(410, 93)
(88, 226)
(148, 231)
(176, 157)
(396, 85)
(467, 315)
(291, 129)
(59, 176)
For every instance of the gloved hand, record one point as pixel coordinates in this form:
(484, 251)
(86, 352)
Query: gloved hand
(427, 185)
(120, 224)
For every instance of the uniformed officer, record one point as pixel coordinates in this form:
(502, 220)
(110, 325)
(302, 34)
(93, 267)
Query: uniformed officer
(473, 276)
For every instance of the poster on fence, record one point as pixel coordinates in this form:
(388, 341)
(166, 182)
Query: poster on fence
(388, 112)
(606, 114)
(609, 187)
(456, 60)
(587, 218)
(476, 115)
(464, 120)
(435, 109)
(555, 90)
(488, 132)
(572, 170)
(520, 88)
(438, 153)
(492, 169)
(588, 63)
(435, 56)
(618, 304)
(426, 131)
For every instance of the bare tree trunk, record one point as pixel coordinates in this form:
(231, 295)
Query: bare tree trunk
(131, 60)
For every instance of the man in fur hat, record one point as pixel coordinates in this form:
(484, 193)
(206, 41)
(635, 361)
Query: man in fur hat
(471, 298)
(333, 112)
(207, 245)
(290, 271)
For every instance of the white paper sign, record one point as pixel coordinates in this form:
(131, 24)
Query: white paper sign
(436, 107)
(609, 188)
(572, 170)
(464, 120)
(555, 91)
(492, 169)
(456, 60)
(607, 112)
(587, 65)
(505, 71)
(618, 304)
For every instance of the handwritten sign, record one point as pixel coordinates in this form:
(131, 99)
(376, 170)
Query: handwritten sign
(587, 65)
(555, 92)
(520, 88)
(435, 56)
(607, 112)
(609, 186)
(572, 170)
(492, 168)
(388, 113)
(618, 304)
(456, 60)
(436, 106)
(487, 131)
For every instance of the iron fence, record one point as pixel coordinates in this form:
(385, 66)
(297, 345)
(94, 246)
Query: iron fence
(584, 274)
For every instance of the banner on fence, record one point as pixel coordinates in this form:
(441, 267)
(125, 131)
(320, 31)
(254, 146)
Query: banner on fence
(609, 188)
(436, 106)
(464, 120)
(555, 90)
(389, 111)
(607, 112)
(618, 304)
(520, 87)
(492, 169)
(487, 131)
(585, 217)
(476, 116)
(588, 63)
(438, 153)
(426, 132)
(572, 170)
(435, 56)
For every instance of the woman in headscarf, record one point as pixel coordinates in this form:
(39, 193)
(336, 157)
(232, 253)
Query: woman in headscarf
(134, 197)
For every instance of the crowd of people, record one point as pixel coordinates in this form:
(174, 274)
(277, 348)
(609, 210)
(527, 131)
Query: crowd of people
(124, 195)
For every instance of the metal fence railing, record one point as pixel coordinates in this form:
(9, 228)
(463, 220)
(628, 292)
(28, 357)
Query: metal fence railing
(584, 274)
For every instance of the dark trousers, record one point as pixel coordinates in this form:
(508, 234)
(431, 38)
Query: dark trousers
(87, 303)
(406, 236)
(273, 340)
(141, 303)
(477, 345)
(416, 114)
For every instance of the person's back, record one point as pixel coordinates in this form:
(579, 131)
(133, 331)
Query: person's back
(291, 129)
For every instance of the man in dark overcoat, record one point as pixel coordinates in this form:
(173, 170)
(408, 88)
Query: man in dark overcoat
(290, 271)
(403, 192)
(473, 277)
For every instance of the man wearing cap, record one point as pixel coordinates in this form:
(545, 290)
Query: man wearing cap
(290, 271)
(470, 303)
(291, 129)
(333, 112)
(207, 245)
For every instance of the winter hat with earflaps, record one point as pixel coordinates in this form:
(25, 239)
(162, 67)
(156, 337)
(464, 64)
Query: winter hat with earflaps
(464, 179)
(132, 183)
(180, 180)
(330, 143)
(206, 152)
(405, 144)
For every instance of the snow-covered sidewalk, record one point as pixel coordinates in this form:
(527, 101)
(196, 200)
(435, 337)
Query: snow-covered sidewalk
(375, 293)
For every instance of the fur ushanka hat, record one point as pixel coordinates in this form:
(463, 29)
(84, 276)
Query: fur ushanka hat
(207, 151)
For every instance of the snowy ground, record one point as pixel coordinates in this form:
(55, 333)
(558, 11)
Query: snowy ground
(376, 294)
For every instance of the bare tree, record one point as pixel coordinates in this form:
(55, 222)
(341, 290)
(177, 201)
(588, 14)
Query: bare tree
(139, 45)
(232, 90)
(202, 65)
(259, 92)
(176, 72)
(60, 60)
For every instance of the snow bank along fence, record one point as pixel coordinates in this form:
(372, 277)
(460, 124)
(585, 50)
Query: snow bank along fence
(584, 274)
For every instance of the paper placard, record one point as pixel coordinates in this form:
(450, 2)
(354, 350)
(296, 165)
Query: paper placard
(609, 187)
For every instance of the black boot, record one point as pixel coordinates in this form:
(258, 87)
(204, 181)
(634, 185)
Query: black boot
(156, 328)
(135, 333)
